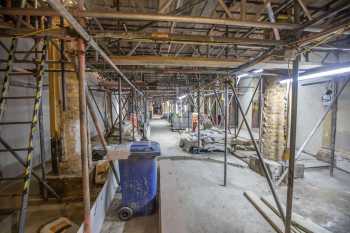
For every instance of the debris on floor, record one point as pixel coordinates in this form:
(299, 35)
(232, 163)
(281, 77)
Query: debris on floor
(267, 208)
(275, 169)
(60, 225)
(242, 143)
(210, 140)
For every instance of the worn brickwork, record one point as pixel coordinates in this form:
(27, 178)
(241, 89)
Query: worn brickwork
(71, 163)
(274, 118)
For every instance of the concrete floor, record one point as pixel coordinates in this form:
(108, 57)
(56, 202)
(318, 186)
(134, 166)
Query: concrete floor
(39, 212)
(146, 224)
(196, 201)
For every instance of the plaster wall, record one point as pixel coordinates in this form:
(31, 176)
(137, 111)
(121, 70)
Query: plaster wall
(310, 109)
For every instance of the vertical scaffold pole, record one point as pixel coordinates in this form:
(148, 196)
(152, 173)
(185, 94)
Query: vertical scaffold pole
(226, 128)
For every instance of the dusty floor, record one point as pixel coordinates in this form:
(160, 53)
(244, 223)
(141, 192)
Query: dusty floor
(205, 206)
(195, 200)
(146, 224)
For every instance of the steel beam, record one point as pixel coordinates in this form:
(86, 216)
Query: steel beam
(198, 118)
(83, 136)
(261, 107)
(226, 106)
(292, 145)
(61, 10)
(333, 128)
(120, 114)
(132, 114)
(149, 17)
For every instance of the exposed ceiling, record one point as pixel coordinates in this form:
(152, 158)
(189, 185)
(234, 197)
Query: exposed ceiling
(174, 44)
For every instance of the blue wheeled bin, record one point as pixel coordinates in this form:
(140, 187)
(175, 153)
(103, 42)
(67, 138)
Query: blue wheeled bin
(138, 180)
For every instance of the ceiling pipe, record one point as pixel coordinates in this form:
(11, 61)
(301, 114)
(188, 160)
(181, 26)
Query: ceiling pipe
(89, 39)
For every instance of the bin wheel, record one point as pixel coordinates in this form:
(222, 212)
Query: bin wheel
(125, 213)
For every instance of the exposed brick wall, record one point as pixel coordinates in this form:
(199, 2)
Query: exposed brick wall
(274, 119)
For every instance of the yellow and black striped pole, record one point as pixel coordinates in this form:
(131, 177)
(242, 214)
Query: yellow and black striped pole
(6, 82)
(29, 163)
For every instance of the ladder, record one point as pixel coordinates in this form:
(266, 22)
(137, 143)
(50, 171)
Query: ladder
(5, 100)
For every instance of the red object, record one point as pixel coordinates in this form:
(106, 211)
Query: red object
(133, 119)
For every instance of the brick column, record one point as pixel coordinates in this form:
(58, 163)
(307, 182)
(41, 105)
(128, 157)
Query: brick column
(71, 163)
(275, 119)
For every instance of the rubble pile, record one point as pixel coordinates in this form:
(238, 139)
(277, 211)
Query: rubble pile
(243, 144)
(210, 140)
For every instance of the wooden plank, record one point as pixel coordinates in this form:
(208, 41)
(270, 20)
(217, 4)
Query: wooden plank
(306, 11)
(161, 37)
(175, 61)
(199, 62)
(170, 212)
(270, 216)
(226, 9)
(299, 221)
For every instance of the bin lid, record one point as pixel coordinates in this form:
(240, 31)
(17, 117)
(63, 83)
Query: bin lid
(144, 149)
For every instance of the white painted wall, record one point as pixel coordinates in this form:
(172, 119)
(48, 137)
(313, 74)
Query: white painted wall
(245, 96)
(343, 123)
(310, 109)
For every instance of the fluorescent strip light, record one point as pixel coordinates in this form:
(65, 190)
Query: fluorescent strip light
(238, 79)
(286, 81)
(326, 73)
(320, 74)
(181, 97)
(258, 71)
(242, 75)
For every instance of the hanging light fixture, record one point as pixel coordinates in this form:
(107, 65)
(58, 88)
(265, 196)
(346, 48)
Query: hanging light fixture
(331, 72)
